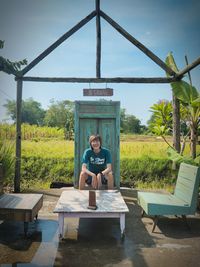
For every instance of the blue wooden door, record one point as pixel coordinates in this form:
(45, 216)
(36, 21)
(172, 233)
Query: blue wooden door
(97, 118)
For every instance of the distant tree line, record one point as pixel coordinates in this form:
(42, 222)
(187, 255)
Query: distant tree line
(61, 114)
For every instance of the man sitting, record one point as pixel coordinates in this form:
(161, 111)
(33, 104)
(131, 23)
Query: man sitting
(96, 165)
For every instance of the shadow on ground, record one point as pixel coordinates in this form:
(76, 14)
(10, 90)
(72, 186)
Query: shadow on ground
(97, 242)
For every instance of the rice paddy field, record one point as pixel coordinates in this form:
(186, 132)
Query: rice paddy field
(47, 157)
(65, 149)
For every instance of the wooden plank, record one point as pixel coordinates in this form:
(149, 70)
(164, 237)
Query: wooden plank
(98, 92)
(144, 49)
(99, 80)
(58, 42)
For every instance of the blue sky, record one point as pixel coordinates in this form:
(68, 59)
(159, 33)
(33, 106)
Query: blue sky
(30, 26)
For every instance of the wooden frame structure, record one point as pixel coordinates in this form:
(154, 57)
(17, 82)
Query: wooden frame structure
(98, 13)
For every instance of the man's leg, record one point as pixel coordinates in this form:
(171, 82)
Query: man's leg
(82, 179)
(110, 180)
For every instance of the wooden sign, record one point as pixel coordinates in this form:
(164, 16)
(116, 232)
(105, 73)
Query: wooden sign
(98, 92)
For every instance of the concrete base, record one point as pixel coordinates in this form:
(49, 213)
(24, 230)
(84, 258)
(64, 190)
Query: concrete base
(97, 242)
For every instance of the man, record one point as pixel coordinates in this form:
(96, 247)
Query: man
(96, 165)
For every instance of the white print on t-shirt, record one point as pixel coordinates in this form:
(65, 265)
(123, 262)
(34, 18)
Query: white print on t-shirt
(97, 161)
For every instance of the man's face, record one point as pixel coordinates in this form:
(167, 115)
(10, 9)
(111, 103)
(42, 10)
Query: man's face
(95, 144)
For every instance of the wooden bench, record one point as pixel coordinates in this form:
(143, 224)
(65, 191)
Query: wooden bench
(184, 200)
(20, 207)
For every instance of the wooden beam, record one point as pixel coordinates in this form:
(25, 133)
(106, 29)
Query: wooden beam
(188, 68)
(18, 138)
(189, 75)
(139, 45)
(100, 80)
(57, 43)
(98, 38)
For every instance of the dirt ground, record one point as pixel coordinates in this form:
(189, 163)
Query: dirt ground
(97, 242)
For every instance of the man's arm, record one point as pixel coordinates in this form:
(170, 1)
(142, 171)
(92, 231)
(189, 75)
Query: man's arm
(84, 169)
(108, 169)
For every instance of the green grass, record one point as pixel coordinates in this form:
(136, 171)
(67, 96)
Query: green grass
(143, 162)
(65, 149)
(51, 149)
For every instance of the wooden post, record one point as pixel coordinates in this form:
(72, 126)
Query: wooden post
(18, 137)
(98, 37)
(176, 124)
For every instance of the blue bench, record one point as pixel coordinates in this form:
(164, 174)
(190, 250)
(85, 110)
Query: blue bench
(182, 202)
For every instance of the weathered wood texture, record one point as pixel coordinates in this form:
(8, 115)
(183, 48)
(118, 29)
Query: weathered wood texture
(98, 37)
(18, 138)
(99, 80)
(176, 124)
(98, 92)
(97, 117)
(188, 68)
(73, 201)
(20, 207)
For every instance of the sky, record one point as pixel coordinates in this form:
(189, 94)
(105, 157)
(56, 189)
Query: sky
(28, 27)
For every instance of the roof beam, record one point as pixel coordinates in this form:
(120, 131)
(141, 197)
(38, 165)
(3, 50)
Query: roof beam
(189, 67)
(100, 80)
(98, 38)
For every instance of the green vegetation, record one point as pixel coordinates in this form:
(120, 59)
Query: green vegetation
(31, 132)
(48, 157)
(7, 160)
(8, 66)
(60, 114)
(141, 162)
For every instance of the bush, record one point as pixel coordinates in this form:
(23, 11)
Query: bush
(145, 169)
(7, 160)
(46, 170)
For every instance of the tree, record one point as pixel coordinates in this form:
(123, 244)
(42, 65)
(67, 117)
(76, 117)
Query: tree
(61, 114)
(132, 124)
(161, 120)
(129, 123)
(8, 66)
(190, 98)
(162, 115)
(32, 111)
(122, 119)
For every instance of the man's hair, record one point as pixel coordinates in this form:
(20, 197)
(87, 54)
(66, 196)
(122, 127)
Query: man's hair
(95, 137)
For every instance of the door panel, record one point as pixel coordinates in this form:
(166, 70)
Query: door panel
(105, 128)
(87, 128)
(107, 132)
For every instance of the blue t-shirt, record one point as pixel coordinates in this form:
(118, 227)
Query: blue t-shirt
(96, 163)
